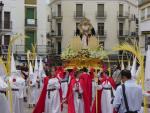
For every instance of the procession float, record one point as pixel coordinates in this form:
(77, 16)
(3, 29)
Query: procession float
(84, 49)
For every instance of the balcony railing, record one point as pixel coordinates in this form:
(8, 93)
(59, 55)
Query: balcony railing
(3, 49)
(132, 17)
(5, 26)
(57, 34)
(148, 16)
(57, 15)
(79, 14)
(142, 17)
(123, 16)
(31, 22)
(41, 49)
(101, 34)
(101, 15)
(122, 34)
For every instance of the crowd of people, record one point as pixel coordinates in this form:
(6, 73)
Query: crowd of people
(85, 90)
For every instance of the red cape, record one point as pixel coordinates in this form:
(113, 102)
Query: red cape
(88, 85)
(99, 95)
(70, 97)
(40, 106)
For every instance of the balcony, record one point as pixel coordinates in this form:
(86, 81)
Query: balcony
(122, 35)
(148, 15)
(122, 16)
(142, 17)
(58, 16)
(79, 15)
(41, 49)
(132, 17)
(101, 35)
(5, 26)
(54, 34)
(101, 16)
(3, 49)
(31, 23)
(31, 2)
(143, 2)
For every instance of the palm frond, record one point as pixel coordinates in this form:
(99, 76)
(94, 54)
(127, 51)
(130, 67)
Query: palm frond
(135, 50)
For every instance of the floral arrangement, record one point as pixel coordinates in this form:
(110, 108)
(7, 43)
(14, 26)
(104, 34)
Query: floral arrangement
(69, 54)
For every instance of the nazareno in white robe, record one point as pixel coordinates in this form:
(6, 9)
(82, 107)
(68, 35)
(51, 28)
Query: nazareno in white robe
(52, 102)
(32, 91)
(4, 105)
(17, 96)
(106, 105)
(78, 103)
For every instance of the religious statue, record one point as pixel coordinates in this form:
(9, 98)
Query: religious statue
(85, 30)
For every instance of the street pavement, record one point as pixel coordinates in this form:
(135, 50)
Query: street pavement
(29, 110)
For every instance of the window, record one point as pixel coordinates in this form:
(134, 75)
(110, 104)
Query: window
(6, 39)
(100, 29)
(147, 43)
(59, 29)
(59, 47)
(79, 10)
(101, 43)
(142, 14)
(148, 12)
(120, 29)
(120, 10)
(59, 10)
(100, 10)
(31, 13)
(77, 24)
(0, 19)
(7, 22)
(30, 40)
(6, 43)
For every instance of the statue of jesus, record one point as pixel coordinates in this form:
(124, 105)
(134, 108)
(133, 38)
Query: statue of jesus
(85, 30)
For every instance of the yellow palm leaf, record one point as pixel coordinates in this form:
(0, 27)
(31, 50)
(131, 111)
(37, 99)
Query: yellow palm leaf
(135, 50)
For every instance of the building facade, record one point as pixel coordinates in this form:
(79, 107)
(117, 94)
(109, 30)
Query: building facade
(26, 17)
(113, 20)
(144, 25)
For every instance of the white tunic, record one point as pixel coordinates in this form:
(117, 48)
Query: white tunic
(84, 41)
(17, 95)
(52, 103)
(64, 86)
(4, 106)
(106, 105)
(32, 91)
(78, 102)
